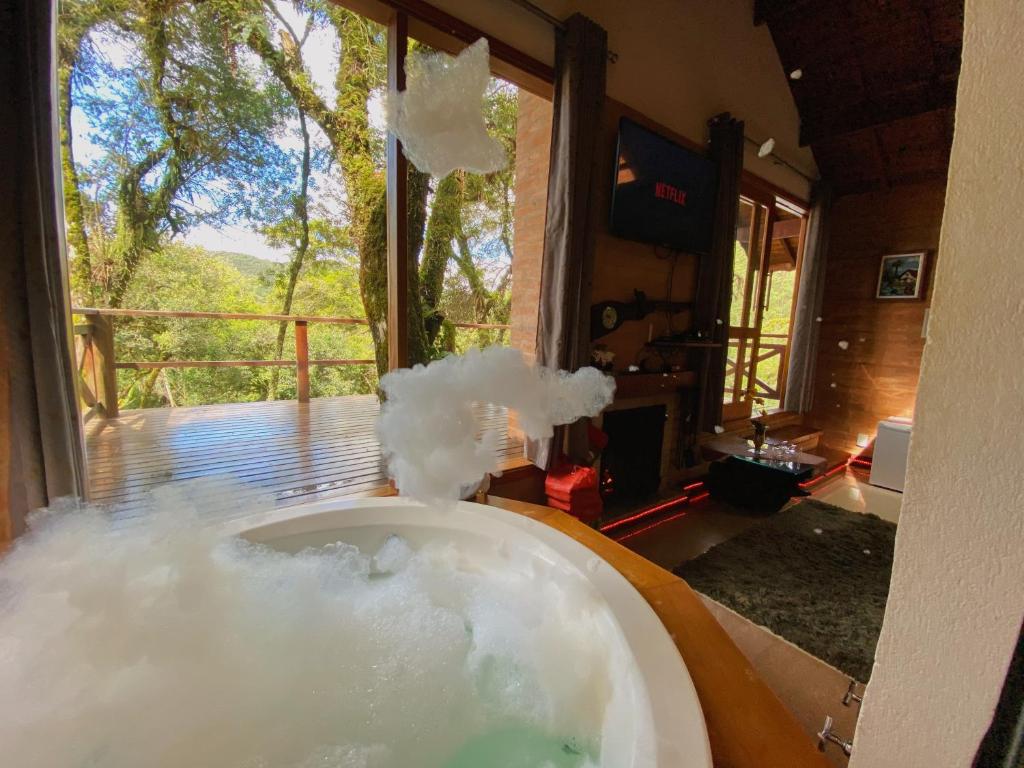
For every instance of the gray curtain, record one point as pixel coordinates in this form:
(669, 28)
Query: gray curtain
(714, 284)
(563, 327)
(803, 350)
(41, 452)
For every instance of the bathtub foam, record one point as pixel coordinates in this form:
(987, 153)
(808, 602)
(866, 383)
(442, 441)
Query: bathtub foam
(160, 643)
(428, 432)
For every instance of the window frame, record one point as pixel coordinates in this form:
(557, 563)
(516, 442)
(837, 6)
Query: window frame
(419, 19)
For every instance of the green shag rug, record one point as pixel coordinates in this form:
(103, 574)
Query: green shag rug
(816, 574)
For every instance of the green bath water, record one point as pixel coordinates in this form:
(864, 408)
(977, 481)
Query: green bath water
(520, 747)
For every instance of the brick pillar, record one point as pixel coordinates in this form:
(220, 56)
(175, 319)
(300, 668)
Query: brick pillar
(533, 147)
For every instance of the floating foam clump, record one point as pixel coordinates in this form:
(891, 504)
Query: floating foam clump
(427, 430)
(438, 116)
(158, 642)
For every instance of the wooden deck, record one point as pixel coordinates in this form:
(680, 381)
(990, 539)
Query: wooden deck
(293, 451)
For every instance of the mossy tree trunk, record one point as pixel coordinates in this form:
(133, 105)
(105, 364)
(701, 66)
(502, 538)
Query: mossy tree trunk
(442, 228)
(77, 19)
(347, 128)
(140, 212)
(77, 238)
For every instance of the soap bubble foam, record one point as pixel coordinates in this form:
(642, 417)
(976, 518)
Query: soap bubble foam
(439, 116)
(427, 430)
(160, 642)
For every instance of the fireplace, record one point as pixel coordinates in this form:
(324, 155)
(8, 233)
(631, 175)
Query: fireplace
(631, 463)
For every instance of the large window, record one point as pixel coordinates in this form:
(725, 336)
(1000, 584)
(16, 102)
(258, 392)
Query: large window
(242, 230)
(231, 158)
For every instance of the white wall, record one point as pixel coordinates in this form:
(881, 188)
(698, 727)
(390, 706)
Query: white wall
(680, 62)
(957, 594)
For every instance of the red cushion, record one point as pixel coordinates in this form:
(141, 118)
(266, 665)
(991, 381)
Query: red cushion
(585, 505)
(566, 479)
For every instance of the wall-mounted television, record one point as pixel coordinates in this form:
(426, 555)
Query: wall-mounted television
(664, 193)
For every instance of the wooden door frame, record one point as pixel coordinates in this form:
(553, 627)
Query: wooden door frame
(798, 269)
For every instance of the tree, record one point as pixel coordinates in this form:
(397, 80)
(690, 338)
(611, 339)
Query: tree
(77, 19)
(189, 104)
(297, 225)
(176, 116)
(179, 275)
(362, 72)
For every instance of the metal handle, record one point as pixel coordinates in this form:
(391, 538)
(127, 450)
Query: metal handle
(850, 694)
(825, 736)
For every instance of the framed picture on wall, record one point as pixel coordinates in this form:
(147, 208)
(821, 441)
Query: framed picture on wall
(901, 276)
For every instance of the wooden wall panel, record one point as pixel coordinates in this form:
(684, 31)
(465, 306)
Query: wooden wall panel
(620, 266)
(876, 376)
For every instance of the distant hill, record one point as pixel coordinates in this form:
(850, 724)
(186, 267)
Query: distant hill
(250, 266)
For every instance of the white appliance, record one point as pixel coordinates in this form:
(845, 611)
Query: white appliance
(889, 463)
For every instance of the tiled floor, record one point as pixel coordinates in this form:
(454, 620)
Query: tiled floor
(851, 491)
(808, 686)
(693, 533)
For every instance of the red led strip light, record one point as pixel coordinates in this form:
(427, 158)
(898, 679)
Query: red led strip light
(644, 513)
(819, 478)
(646, 528)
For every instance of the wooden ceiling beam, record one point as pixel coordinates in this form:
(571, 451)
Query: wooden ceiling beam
(858, 187)
(785, 228)
(781, 229)
(765, 11)
(790, 250)
(879, 111)
(760, 12)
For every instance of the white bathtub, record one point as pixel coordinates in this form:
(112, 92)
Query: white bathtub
(658, 721)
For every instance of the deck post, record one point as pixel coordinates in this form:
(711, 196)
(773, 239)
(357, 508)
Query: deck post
(103, 365)
(302, 360)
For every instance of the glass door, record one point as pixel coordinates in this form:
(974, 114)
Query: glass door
(782, 267)
(748, 286)
(766, 260)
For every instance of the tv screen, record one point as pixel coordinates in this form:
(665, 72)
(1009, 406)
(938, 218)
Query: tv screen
(664, 193)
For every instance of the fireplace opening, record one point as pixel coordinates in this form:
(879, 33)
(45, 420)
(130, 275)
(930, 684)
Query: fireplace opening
(631, 462)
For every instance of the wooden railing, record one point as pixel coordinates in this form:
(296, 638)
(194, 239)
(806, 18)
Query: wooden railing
(98, 366)
(765, 351)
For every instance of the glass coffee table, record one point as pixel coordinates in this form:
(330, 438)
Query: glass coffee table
(799, 470)
(755, 482)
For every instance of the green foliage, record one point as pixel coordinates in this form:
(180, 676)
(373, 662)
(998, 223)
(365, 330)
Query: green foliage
(775, 319)
(172, 118)
(248, 265)
(776, 322)
(188, 278)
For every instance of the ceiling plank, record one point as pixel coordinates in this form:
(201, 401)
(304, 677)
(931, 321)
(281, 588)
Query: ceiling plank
(876, 111)
(784, 228)
(879, 81)
(781, 229)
